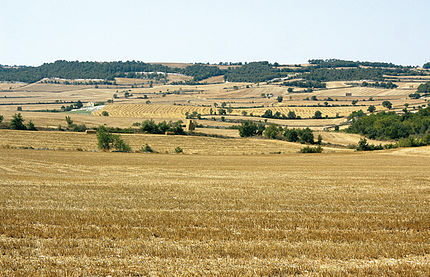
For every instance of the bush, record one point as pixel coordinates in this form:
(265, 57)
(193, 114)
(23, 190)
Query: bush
(30, 126)
(17, 122)
(364, 146)
(146, 149)
(249, 129)
(272, 131)
(309, 149)
(107, 141)
(318, 115)
(1, 118)
(178, 150)
(105, 113)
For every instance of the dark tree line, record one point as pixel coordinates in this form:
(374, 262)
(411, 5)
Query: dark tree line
(334, 63)
(305, 84)
(253, 72)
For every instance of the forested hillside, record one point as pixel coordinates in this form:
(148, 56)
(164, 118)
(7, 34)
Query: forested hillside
(320, 70)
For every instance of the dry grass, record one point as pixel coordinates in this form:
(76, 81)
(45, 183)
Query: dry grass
(81, 213)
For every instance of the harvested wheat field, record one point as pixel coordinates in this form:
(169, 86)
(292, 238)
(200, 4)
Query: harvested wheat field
(82, 213)
(200, 145)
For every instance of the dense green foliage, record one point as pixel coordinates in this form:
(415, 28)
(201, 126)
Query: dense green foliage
(249, 129)
(310, 149)
(305, 84)
(353, 74)
(424, 88)
(363, 145)
(426, 65)
(150, 127)
(387, 85)
(17, 122)
(334, 63)
(201, 71)
(107, 141)
(253, 72)
(1, 118)
(389, 125)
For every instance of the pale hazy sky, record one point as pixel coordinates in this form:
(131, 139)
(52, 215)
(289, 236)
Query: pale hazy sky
(291, 31)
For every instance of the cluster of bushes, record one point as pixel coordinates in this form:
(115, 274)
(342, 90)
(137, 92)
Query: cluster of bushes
(305, 84)
(150, 127)
(389, 125)
(310, 149)
(249, 129)
(107, 141)
(76, 105)
(74, 127)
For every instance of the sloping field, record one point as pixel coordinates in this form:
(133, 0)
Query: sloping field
(100, 214)
(346, 139)
(363, 92)
(163, 144)
(155, 111)
(151, 111)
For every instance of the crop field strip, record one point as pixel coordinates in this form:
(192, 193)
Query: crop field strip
(71, 141)
(72, 212)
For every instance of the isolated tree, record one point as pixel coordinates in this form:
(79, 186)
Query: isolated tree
(426, 65)
(291, 115)
(387, 104)
(1, 118)
(244, 113)
(354, 102)
(318, 115)
(30, 126)
(105, 113)
(280, 99)
(17, 122)
(371, 109)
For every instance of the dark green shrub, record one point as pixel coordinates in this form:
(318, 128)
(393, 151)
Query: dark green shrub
(310, 149)
(17, 122)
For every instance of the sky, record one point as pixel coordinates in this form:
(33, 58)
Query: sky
(288, 32)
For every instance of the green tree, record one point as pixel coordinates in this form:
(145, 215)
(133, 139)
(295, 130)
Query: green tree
(291, 135)
(271, 131)
(371, 109)
(1, 118)
(105, 113)
(317, 115)
(291, 115)
(248, 129)
(17, 122)
(387, 104)
(30, 126)
(280, 99)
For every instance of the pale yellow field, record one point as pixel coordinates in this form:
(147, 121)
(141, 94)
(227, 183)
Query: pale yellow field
(72, 141)
(99, 214)
(156, 111)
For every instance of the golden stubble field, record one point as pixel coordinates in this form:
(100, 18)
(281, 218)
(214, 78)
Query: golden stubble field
(82, 213)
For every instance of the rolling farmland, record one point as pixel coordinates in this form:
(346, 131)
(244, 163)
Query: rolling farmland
(213, 215)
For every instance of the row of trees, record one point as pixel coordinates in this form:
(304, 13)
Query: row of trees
(305, 84)
(150, 127)
(334, 63)
(250, 128)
